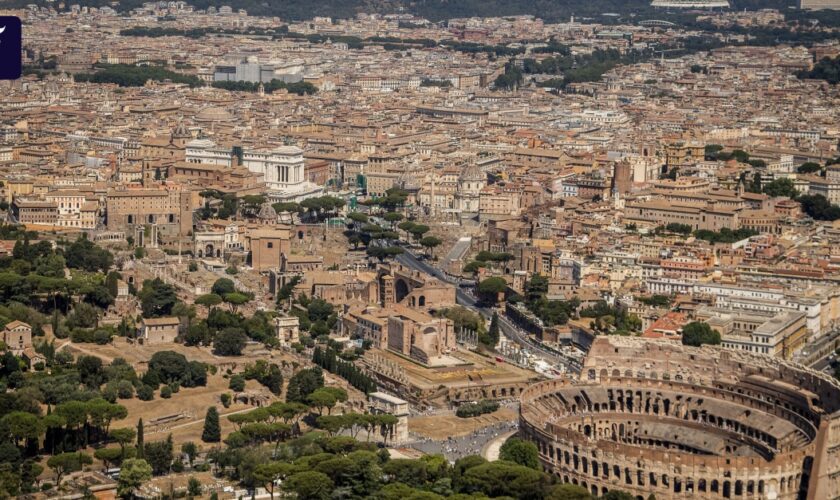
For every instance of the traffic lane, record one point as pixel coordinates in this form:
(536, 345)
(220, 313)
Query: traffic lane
(509, 329)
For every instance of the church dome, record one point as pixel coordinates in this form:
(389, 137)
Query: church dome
(267, 212)
(472, 174)
(213, 114)
(181, 131)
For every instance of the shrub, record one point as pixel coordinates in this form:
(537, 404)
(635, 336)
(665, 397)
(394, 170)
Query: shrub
(146, 393)
(475, 409)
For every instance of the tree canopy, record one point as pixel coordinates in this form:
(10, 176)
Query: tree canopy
(698, 333)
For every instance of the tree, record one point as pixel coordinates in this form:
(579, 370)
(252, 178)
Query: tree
(108, 456)
(418, 230)
(322, 398)
(230, 342)
(819, 208)
(141, 447)
(223, 286)
(193, 487)
(809, 168)
(826, 69)
(235, 299)
(21, 425)
(357, 217)
(393, 217)
(286, 291)
(781, 187)
(406, 471)
(490, 288)
(169, 366)
(698, 333)
(268, 474)
(83, 315)
(474, 266)
(212, 432)
(493, 331)
(567, 491)
(430, 243)
(303, 383)
(190, 449)
(755, 185)
(157, 298)
(237, 383)
(160, 454)
(133, 473)
(309, 485)
(146, 393)
(520, 452)
(496, 479)
(30, 470)
(123, 436)
(63, 463)
(83, 254)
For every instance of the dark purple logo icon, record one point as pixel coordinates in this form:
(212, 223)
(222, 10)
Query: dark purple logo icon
(10, 44)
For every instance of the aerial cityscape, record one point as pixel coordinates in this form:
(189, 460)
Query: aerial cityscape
(326, 249)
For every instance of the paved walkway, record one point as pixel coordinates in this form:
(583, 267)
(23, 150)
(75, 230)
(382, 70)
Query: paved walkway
(491, 450)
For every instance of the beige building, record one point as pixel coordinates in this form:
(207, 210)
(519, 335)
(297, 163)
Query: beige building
(267, 247)
(35, 212)
(18, 337)
(170, 210)
(684, 154)
(158, 330)
(660, 212)
(419, 335)
(493, 203)
(775, 334)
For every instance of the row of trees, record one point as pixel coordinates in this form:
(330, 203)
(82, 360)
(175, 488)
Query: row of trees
(299, 88)
(826, 69)
(127, 75)
(725, 235)
(328, 359)
(487, 258)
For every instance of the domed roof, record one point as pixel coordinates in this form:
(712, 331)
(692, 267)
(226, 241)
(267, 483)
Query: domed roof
(213, 114)
(472, 173)
(181, 131)
(267, 212)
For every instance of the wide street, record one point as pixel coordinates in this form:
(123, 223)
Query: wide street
(469, 301)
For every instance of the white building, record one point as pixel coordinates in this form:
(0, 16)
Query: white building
(282, 167)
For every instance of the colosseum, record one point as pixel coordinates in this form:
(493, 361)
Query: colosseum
(679, 422)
